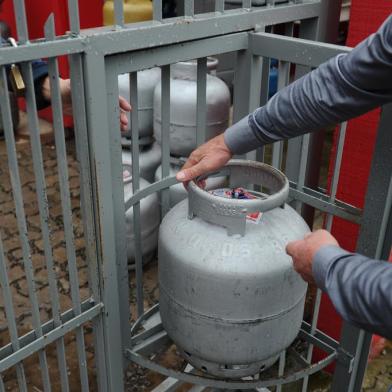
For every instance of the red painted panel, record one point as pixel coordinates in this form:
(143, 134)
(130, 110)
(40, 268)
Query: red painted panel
(37, 12)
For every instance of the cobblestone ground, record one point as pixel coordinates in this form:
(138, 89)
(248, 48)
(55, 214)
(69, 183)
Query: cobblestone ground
(378, 376)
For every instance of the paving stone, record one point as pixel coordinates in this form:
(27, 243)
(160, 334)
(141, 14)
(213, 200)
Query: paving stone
(74, 183)
(15, 274)
(34, 221)
(51, 181)
(16, 255)
(7, 220)
(57, 238)
(60, 255)
(11, 244)
(29, 196)
(38, 261)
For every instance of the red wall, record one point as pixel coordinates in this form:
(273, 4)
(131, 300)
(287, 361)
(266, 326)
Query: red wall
(37, 12)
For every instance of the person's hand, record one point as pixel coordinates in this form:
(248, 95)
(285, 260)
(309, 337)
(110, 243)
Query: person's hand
(208, 157)
(303, 251)
(66, 98)
(124, 108)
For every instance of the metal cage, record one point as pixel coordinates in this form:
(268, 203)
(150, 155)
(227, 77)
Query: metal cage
(96, 58)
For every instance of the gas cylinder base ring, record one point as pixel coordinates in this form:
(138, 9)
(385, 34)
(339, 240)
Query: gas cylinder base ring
(153, 340)
(227, 371)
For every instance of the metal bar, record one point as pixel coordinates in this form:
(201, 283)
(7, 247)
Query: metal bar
(62, 165)
(113, 112)
(88, 212)
(318, 200)
(384, 240)
(133, 91)
(247, 4)
(306, 327)
(168, 385)
(104, 163)
(283, 81)
(29, 337)
(165, 129)
(264, 94)
(171, 384)
(353, 340)
(219, 5)
(336, 172)
(155, 187)
(313, 328)
(9, 311)
(41, 342)
(21, 21)
(328, 29)
(247, 87)
(332, 198)
(119, 13)
(295, 50)
(54, 295)
(152, 344)
(308, 196)
(132, 38)
(282, 364)
(42, 49)
(43, 208)
(157, 10)
(189, 8)
(308, 30)
(201, 114)
(205, 25)
(313, 339)
(302, 168)
(73, 14)
(146, 334)
(223, 384)
(159, 56)
(246, 79)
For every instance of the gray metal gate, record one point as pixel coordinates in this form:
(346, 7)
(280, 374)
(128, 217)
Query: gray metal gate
(96, 59)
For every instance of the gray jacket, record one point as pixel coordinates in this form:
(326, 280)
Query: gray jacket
(342, 88)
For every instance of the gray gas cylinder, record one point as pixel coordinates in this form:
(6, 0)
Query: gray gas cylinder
(146, 83)
(183, 107)
(150, 156)
(149, 219)
(177, 191)
(229, 296)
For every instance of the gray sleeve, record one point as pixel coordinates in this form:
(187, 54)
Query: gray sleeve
(359, 287)
(342, 88)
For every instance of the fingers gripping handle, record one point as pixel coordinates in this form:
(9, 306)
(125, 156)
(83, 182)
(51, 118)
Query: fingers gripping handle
(231, 213)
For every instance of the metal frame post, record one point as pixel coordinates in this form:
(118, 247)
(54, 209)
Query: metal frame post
(105, 161)
(373, 243)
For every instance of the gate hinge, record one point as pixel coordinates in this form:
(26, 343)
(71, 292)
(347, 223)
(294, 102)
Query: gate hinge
(345, 358)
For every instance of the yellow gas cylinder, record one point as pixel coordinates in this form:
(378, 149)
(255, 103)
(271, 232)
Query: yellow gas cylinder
(134, 11)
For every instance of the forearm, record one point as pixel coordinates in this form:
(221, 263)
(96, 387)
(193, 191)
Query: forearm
(359, 287)
(342, 88)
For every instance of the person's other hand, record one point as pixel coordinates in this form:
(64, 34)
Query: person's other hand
(66, 98)
(303, 251)
(124, 108)
(208, 157)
